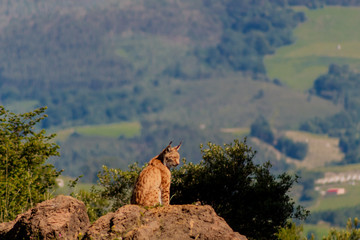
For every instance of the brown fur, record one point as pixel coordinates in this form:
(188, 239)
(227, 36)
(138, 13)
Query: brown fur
(153, 184)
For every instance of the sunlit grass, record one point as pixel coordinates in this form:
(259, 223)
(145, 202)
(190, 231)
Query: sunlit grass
(114, 130)
(319, 230)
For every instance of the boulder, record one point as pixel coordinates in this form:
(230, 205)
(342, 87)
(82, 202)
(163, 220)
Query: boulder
(168, 222)
(65, 217)
(62, 217)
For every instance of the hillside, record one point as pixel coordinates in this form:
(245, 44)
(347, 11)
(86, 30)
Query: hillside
(195, 115)
(322, 151)
(96, 61)
(330, 35)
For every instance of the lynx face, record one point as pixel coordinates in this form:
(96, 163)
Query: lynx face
(172, 157)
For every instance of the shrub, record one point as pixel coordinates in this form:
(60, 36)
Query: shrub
(24, 178)
(246, 195)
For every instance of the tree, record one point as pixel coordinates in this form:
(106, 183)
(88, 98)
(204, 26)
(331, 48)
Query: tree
(292, 232)
(297, 150)
(24, 178)
(251, 199)
(114, 191)
(261, 129)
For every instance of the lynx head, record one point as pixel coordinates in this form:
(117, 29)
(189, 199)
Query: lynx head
(170, 156)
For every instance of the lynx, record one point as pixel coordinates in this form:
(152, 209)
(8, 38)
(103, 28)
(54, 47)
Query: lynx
(153, 184)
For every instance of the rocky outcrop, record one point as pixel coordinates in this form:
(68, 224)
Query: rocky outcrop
(63, 217)
(169, 222)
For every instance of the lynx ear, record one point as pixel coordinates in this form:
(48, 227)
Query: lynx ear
(168, 148)
(164, 151)
(178, 146)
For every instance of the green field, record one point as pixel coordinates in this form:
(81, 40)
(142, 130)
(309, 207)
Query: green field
(318, 230)
(349, 199)
(330, 35)
(114, 130)
(23, 106)
(339, 169)
(328, 203)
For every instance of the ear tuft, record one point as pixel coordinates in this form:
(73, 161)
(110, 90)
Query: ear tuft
(178, 146)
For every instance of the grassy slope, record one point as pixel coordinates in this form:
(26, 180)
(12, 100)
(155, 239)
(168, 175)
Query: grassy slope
(114, 130)
(235, 101)
(335, 202)
(319, 230)
(322, 149)
(316, 46)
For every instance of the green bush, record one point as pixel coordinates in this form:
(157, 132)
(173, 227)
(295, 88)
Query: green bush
(250, 199)
(352, 232)
(291, 232)
(114, 191)
(24, 178)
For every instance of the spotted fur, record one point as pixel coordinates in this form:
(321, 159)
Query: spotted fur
(153, 184)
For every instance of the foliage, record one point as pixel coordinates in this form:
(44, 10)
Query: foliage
(352, 232)
(291, 232)
(247, 195)
(307, 181)
(279, 165)
(114, 191)
(96, 205)
(25, 179)
(297, 150)
(336, 217)
(118, 184)
(261, 129)
(340, 85)
(252, 29)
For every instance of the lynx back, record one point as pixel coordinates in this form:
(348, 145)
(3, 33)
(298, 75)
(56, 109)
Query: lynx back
(153, 184)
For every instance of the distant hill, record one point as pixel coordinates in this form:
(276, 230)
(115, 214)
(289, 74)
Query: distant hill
(95, 61)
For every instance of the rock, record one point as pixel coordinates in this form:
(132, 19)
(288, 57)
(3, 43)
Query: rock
(65, 218)
(62, 217)
(169, 222)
